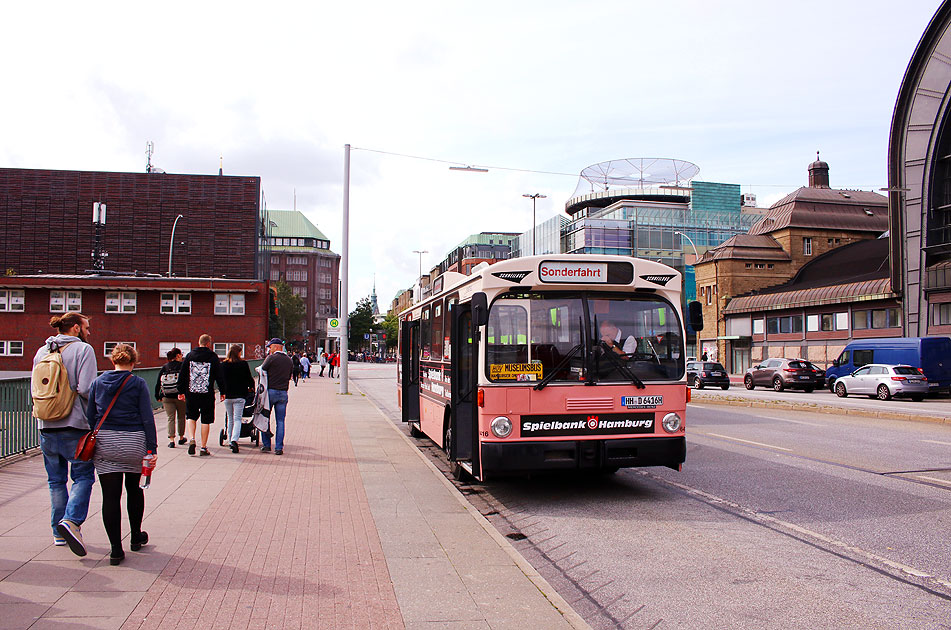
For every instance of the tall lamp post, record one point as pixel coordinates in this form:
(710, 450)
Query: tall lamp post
(420, 276)
(534, 198)
(696, 256)
(171, 245)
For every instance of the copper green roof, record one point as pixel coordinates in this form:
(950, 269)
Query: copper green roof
(293, 224)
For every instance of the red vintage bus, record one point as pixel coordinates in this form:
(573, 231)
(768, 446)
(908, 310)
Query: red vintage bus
(549, 363)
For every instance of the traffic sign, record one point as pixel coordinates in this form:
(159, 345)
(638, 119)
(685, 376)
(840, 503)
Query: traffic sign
(334, 327)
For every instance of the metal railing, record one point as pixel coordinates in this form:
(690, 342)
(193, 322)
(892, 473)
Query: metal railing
(19, 432)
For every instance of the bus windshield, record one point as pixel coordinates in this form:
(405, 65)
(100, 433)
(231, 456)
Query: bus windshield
(531, 334)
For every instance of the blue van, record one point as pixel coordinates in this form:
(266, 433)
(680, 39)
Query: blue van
(931, 354)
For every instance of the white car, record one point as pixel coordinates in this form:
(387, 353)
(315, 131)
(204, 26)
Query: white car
(884, 381)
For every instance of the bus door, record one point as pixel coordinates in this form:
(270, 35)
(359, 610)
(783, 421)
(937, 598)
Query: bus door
(464, 418)
(409, 336)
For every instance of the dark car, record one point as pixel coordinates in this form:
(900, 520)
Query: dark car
(783, 374)
(820, 373)
(700, 374)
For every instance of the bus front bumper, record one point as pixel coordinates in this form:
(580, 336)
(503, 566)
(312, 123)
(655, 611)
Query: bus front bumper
(501, 457)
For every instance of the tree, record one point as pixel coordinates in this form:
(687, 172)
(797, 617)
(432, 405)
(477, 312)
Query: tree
(361, 321)
(290, 312)
(391, 326)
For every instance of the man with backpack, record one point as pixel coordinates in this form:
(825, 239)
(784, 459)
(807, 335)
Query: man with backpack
(63, 371)
(166, 392)
(199, 373)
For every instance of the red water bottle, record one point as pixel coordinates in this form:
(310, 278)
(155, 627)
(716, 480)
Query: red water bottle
(148, 464)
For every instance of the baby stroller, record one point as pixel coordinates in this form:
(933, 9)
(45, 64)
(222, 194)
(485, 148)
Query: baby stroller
(247, 427)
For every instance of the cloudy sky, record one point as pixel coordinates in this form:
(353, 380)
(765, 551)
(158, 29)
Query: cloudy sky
(744, 89)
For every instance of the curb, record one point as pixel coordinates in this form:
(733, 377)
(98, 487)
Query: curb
(734, 401)
(561, 605)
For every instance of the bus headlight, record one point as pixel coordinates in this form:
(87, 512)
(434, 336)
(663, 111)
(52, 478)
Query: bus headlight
(671, 423)
(501, 427)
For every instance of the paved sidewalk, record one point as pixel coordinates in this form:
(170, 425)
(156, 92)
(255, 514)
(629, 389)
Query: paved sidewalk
(350, 528)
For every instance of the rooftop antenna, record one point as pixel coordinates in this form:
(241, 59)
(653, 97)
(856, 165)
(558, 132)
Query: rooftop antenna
(149, 150)
(99, 254)
(221, 165)
(295, 200)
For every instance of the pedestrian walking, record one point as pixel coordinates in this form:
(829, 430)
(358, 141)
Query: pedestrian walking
(58, 438)
(201, 371)
(126, 435)
(297, 368)
(278, 367)
(334, 362)
(323, 363)
(305, 366)
(166, 392)
(238, 384)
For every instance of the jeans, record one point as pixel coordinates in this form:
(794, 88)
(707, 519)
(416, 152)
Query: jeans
(278, 400)
(59, 452)
(234, 408)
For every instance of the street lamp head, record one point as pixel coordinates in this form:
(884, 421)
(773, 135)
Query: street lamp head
(536, 196)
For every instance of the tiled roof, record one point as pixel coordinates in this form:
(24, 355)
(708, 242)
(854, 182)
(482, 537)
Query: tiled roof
(878, 289)
(826, 209)
(746, 247)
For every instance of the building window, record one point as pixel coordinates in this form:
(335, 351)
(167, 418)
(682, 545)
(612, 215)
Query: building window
(758, 326)
(324, 262)
(275, 260)
(769, 266)
(120, 302)
(11, 348)
(12, 301)
(297, 275)
(62, 301)
(812, 323)
(176, 303)
(876, 318)
(807, 246)
(709, 295)
(109, 346)
(165, 346)
(784, 325)
(941, 314)
(325, 278)
(749, 265)
(221, 349)
(296, 260)
(229, 304)
(325, 294)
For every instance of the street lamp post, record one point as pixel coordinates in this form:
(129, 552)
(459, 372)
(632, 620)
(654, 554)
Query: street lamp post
(696, 256)
(420, 276)
(171, 245)
(534, 198)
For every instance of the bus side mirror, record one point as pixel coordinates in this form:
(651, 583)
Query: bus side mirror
(695, 315)
(480, 309)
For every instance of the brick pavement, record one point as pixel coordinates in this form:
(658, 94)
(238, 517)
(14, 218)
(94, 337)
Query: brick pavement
(288, 543)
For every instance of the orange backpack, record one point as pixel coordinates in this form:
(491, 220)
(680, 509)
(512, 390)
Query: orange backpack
(52, 396)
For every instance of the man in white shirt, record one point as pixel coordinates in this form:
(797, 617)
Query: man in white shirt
(611, 335)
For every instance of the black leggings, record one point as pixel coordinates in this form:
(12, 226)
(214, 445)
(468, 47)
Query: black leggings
(111, 484)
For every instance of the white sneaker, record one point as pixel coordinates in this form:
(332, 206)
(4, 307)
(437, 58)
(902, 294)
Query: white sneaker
(74, 538)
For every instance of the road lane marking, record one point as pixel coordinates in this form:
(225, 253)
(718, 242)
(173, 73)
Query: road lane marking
(944, 482)
(810, 424)
(836, 546)
(727, 437)
(937, 442)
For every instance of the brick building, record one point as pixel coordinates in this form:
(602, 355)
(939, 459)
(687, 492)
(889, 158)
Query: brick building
(47, 215)
(300, 256)
(801, 227)
(154, 314)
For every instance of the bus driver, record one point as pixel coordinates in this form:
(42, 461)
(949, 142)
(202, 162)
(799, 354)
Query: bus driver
(611, 336)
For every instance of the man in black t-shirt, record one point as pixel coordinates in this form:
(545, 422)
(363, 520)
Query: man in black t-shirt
(200, 371)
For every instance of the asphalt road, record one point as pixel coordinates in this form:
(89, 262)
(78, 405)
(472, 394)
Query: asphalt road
(780, 519)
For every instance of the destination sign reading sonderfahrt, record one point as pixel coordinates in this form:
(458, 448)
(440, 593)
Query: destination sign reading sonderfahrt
(573, 272)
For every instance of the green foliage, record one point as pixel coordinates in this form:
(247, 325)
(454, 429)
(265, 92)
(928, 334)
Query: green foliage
(391, 326)
(290, 315)
(361, 321)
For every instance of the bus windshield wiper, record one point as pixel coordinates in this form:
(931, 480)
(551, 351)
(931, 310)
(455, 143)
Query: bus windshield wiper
(561, 365)
(623, 369)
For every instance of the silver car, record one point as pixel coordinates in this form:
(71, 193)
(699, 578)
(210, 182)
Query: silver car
(884, 381)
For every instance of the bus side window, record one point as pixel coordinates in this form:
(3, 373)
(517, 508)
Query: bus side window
(436, 345)
(425, 333)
